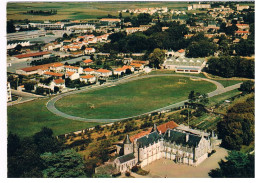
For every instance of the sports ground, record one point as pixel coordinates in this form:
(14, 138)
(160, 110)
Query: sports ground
(133, 98)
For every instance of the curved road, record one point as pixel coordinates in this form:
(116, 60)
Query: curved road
(51, 103)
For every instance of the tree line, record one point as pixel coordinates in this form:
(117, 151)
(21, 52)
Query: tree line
(227, 66)
(42, 12)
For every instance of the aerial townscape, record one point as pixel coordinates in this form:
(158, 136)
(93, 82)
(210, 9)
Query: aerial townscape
(131, 89)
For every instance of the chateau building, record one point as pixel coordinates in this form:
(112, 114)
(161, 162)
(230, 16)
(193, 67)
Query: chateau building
(178, 143)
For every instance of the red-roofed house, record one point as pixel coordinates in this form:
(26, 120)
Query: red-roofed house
(90, 50)
(57, 67)
(137, 66)
(87, 62)
(103, 72)
(88, 71)
(88, 79)
(119, 71)
(69, 68)
(72, 75)
(60, 83)
(52, 74)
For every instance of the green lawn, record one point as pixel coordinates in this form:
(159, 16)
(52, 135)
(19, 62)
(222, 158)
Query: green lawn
(131, 98)
(224, 96)
(28, 118)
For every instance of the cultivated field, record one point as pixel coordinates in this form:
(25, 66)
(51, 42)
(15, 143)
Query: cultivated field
(81, 10)
(132, 98)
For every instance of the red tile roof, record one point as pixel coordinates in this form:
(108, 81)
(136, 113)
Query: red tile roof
(87, 76)
(136, 65)
(88, 61)
(71, 67)
(103, 70)
(32, 54)
(245, 32)
(181, 50)
(119, 69)
(59, 81)
(53, 74)
(88, 69)
(70, 73)
(34, 68)
(89, 48)
(169, 125)
(57, 64)
(161, 128)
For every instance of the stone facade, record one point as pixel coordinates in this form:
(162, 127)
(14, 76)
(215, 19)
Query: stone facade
(181, 144)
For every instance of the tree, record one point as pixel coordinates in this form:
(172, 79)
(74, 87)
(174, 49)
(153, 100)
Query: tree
(120, 15)
(65, 36)
(18, 47)
(157, 57)
(63, 164)
(237, 127)
(29, 86)
(46, 142)
(238, 165)
(192, 97)
(201, 48)
(24, 158)
(247, 87)
(10, 27)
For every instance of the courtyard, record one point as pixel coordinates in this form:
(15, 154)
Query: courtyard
(173, 170)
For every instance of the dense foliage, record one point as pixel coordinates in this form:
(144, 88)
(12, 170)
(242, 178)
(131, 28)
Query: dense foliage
(237, 165)
(24, 154)
(227, 66)
(237, 128)
(63, 164)
(154, 37)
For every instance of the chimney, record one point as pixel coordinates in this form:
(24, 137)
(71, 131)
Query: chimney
(187, 137)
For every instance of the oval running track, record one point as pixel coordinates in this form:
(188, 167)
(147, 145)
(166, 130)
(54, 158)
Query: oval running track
(51, 103)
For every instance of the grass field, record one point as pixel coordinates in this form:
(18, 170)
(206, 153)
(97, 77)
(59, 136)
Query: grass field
(224, 96)
(132, 98)
(81, 10)
(28, 118)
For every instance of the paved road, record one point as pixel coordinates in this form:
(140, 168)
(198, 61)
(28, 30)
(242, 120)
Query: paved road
(23, 97)
(51, 103)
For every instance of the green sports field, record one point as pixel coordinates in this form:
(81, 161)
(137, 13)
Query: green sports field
(133, 98)
(28, 118)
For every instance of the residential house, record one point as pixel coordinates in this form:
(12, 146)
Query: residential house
(137, 66)
(72, 75)
(57, 67)
(69, 68)
(103, 72)
(88, 71)
(53, 74)
(88, 79)
(87, 62)
(90, 51)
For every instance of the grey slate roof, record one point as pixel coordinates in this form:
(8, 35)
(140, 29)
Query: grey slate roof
(125, 158)
(180, 138)
(149, 139)
(127, 140)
